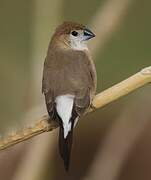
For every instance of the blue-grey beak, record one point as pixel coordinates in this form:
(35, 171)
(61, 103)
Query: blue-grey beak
(88, 34)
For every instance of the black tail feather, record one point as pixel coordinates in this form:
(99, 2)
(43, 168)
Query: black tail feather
(65, 145)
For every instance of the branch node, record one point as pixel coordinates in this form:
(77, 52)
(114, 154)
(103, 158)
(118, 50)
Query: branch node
(146, 71)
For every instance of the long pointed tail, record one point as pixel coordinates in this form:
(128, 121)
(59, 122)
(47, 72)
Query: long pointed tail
(65, 145)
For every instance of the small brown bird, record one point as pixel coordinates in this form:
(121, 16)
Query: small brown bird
(69, 81)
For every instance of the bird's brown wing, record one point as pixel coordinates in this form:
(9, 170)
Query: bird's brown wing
(84, 97)
(47, 89)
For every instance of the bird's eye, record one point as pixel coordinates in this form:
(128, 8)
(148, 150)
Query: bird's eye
(74, 33)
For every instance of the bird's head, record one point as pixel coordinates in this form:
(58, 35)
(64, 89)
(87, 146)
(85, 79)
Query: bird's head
(73, 35)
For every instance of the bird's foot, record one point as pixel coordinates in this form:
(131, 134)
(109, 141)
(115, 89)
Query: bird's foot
(92, 107)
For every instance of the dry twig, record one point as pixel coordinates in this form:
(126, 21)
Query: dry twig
(123, 88)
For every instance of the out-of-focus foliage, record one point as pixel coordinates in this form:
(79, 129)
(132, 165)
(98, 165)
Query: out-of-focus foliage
(15, 47)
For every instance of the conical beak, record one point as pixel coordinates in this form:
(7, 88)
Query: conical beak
(88, 34)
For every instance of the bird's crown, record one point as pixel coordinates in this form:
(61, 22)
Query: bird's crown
(67, 26)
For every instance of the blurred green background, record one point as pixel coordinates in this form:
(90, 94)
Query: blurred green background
(25, 31)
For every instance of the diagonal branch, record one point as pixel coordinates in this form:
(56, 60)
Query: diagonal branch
(121, 89)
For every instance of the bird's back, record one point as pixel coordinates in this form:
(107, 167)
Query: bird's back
(68, 72)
